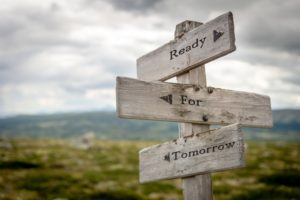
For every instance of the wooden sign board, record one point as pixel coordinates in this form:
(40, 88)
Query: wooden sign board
(216, 150)
(189, 103)
(198, 46)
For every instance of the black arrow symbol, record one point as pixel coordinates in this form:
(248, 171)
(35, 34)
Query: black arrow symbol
(167, 98)
(217, 35)
(167, 157)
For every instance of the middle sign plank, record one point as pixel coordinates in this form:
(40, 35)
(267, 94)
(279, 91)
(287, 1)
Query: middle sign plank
(189, 103)
(212, 151)
(198, 46)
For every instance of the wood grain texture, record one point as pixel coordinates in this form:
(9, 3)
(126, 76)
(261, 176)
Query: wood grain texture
(191, 103)
(184, 27)
(161, 65)
(217, 150)
(197, 187)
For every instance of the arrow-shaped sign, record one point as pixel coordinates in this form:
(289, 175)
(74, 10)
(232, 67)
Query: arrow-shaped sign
(195, 48)
(187, 103)
(212, 151)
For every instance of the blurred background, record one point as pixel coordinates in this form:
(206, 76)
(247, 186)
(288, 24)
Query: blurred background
(60, 137)
(61, 56)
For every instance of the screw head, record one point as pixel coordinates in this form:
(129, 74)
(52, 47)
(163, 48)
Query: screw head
(196, 88)
(210, 90)
(205, 118)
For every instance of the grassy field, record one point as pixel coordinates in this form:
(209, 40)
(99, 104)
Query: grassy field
(55, 169)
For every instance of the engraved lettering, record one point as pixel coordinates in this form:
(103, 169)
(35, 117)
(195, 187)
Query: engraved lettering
(198, 43)
(173, 53)
(183, 99)
(221, 147)
(198, 102)
(193, 153)
(176, 155)
(181, 51)
(229, 145)
(207, 150)
(202, 151)
(186, 100)
(191, 101)
(214, 148)
(188, 48)
(184, 155)
(202, 42)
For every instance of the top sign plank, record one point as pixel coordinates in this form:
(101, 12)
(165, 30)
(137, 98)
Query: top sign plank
(200, 45)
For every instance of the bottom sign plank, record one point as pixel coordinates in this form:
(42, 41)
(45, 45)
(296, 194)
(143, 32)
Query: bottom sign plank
(215, 150)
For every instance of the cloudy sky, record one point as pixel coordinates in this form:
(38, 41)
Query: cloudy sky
(62, 56)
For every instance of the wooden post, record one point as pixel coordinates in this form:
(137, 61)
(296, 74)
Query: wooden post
(197, 187)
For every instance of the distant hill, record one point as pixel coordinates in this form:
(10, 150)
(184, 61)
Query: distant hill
(286, 126)
(103, 124)
(108, 125)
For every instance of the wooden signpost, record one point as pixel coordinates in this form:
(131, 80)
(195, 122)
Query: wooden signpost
(198, 151)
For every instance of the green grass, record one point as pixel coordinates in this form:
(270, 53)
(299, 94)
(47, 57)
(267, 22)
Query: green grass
(53, 169)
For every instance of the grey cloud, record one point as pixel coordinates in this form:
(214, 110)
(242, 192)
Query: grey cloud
(175, 11)
(26, 26)
(273, 26)
(294, 80)
(82, 87)
(134, 5)
(121, 67)
(269, 58)
(19, 71)
(26, 33)
(288, 64)
(282, 37)
(227, 5)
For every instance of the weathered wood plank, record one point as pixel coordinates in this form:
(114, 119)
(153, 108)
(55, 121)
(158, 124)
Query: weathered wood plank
(191, 103)
(199, 186)
(198, 46)
(216, 150)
